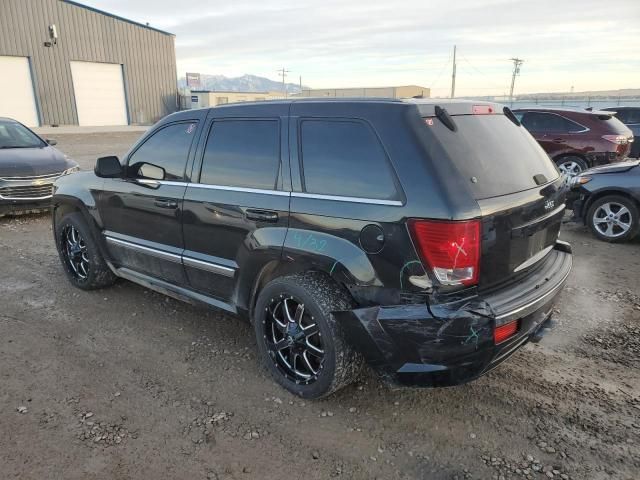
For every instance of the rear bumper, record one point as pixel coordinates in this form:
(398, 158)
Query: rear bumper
(603, 158)
(452, 343)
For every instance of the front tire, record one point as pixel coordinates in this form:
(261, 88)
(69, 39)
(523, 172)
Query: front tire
(614, 218)
(300, 342)
(81, 259)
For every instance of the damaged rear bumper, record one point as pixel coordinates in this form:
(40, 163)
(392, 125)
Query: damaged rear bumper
(452, 343)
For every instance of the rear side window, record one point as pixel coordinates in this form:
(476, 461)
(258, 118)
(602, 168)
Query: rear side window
(540, 122)
(344, 158)
(495, 156)
(242, 153)
(167, 148)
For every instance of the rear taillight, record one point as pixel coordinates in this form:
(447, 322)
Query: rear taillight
(450, 249)
(504, 332)
(617, 139)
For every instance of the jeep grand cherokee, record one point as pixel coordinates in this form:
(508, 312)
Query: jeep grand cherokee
(419, 236)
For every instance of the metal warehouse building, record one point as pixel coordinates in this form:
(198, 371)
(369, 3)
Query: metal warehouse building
(63, 63)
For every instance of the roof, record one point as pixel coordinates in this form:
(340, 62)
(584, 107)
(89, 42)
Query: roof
(563, 109)
(102, 12)
(426, 106)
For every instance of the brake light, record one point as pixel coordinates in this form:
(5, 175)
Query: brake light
(504, 332)
(450, 249)
(481, 110)
(617, 139)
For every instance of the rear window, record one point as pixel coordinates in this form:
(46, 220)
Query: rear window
(614, 125)
(495, 156)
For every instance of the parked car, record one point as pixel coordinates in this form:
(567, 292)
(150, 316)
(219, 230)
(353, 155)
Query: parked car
(607, 199)
(577, 139)
(402, 233)
(28, 167)
(630, 116)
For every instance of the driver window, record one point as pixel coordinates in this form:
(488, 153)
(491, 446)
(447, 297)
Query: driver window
(167, 149)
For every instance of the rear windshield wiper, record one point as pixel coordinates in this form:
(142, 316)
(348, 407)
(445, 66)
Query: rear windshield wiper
(445, 118)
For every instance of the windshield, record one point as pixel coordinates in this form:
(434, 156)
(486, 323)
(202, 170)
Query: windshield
(495, 155)
(14, 135)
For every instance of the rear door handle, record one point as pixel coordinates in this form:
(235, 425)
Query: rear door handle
(166, 203)
(261, 215)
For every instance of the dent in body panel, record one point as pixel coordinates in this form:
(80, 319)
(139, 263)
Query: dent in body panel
(420, 334)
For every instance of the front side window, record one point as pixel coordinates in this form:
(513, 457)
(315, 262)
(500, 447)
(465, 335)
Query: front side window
(344, 158)
(168, 148)
(242, 153)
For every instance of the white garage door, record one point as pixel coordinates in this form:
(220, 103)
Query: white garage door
(99, 93)
(16, 91)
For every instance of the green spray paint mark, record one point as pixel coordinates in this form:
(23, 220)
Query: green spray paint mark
(404, 267)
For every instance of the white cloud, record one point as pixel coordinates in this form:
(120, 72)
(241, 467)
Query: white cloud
(588, 44)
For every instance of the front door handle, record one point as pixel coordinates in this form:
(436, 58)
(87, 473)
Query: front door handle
(166, 203)
(558, 140)
(261, 215)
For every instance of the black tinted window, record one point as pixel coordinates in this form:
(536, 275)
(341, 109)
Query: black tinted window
(345, 158)
(242, 153)
(168, 148)
(541, 122)
(549, 122)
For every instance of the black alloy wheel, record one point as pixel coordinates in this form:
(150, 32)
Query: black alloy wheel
(293, 339)
(76, 254)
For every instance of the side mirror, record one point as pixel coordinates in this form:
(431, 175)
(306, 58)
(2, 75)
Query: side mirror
(52, 142)
(108, 167)
(150, 171)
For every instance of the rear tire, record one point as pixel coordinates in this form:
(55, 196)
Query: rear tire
(81, 259)
(571, 165)
(614, 218)
(305, 350)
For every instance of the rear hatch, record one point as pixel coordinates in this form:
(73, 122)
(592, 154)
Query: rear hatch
(518, 189)
(615, 132)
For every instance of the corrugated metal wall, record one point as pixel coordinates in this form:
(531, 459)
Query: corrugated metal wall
(148, 57)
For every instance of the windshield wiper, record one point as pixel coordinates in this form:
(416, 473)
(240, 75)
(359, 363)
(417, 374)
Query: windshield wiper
(18, 146)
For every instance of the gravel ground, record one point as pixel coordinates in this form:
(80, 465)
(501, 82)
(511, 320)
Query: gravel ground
(125, 383)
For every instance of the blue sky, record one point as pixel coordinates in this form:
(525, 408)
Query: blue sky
(584, 44)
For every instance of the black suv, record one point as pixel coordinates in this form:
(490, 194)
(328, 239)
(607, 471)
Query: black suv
(421, 237)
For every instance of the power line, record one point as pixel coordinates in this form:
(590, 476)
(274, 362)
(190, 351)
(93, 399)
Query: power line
(517, 62)
(283, 73)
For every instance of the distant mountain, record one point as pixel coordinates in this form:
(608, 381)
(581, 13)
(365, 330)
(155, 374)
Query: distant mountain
(245, 83)
(625, 92)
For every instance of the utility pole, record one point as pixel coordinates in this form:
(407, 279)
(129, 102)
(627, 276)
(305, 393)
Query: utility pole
(283, 73)
(517, 62)
(301, 85)
(453, 74)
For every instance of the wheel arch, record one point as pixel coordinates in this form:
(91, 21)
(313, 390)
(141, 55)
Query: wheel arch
(281, 268)
(64, 204)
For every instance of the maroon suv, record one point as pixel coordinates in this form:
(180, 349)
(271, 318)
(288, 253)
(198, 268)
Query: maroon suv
(577, 139)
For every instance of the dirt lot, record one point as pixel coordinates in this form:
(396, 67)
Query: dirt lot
(125, 383)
